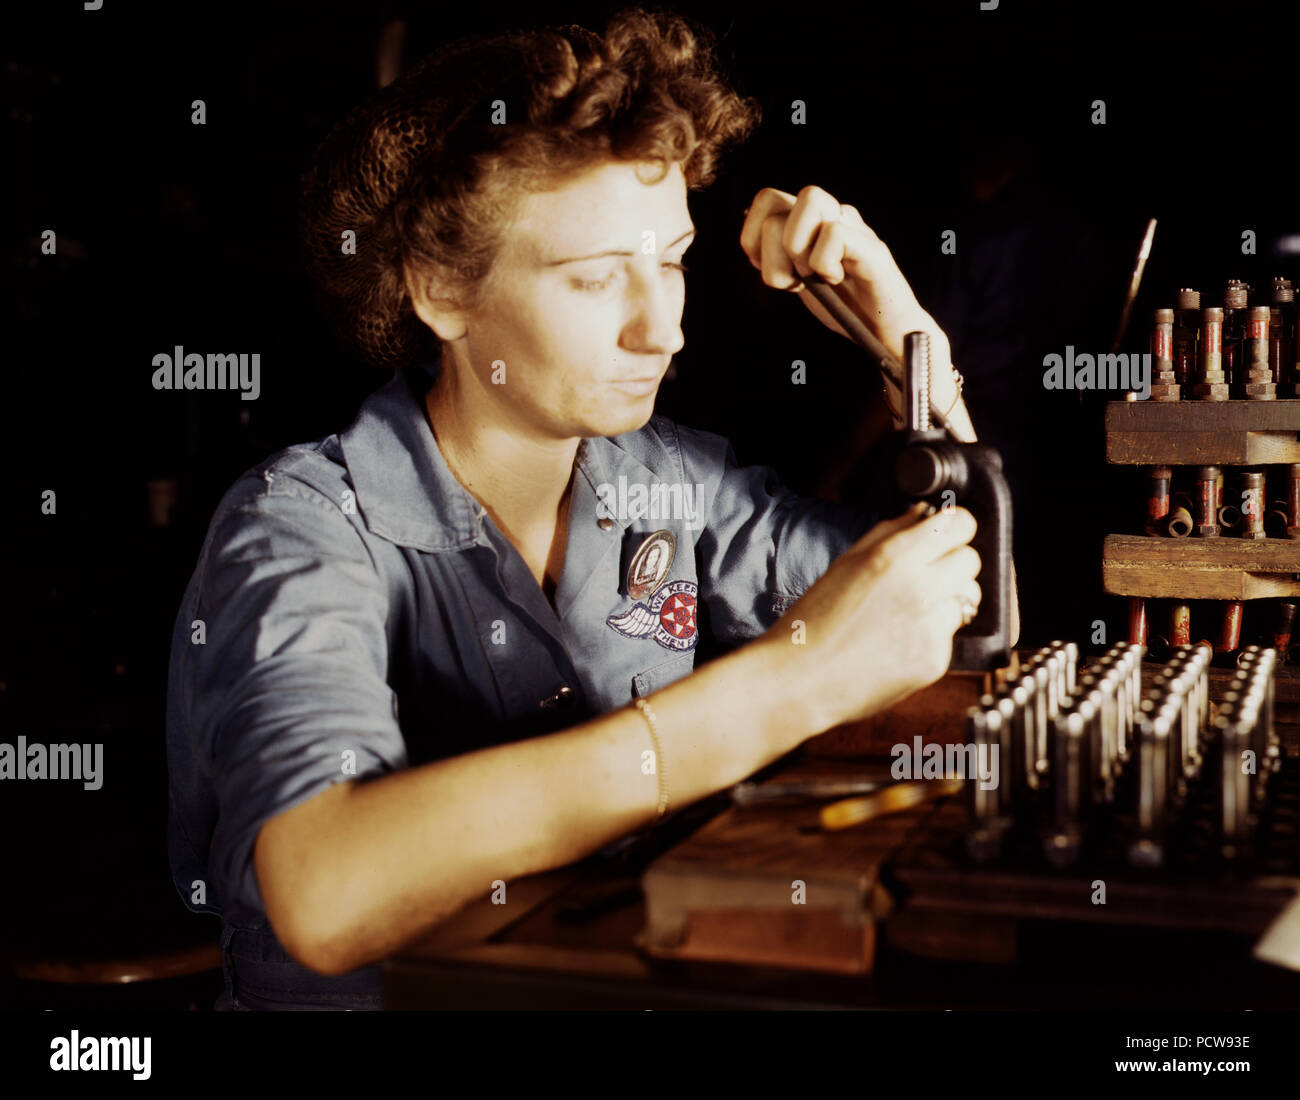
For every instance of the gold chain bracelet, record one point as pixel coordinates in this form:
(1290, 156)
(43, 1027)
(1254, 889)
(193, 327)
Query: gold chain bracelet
(649, 714)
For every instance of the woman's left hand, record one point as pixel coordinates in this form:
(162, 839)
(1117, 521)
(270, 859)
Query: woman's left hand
(787, 237)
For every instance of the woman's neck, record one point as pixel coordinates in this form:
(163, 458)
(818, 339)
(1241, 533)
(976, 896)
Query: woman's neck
(522, 480)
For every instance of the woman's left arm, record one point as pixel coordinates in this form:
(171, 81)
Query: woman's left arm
(787, 237)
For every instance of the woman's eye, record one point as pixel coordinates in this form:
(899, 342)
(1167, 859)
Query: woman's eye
(601, 284)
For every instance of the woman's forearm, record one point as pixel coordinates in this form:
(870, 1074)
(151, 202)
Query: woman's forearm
(357, 872)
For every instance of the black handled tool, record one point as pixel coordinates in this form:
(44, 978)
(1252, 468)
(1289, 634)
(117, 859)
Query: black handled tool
(935, 468)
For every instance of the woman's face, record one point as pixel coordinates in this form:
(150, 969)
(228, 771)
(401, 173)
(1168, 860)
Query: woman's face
(584, 307)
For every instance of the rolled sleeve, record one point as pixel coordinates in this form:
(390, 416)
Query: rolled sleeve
(289, 693)
(762, 545)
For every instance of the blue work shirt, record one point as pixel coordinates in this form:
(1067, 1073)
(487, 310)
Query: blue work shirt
(355, 611)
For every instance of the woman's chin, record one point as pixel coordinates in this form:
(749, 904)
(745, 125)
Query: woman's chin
(620, 422)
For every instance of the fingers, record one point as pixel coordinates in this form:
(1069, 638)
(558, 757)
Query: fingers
(767, 202)
(931, 538)
(939, 545)
(954, 574)
(885, 528)
(778, 271)
(955, 594)
(815, 213)
(952, 609)
(787, 237)
(826, 257)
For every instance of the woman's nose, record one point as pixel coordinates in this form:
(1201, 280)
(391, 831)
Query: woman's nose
(656, 323)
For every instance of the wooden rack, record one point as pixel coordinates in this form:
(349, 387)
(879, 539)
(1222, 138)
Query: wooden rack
(1202, 433)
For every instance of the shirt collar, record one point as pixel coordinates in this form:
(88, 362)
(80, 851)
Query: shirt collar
(407, 494)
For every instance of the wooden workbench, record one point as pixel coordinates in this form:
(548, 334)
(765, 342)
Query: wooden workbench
(575, 939)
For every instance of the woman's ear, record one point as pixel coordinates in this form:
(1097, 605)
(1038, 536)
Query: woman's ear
(434, 306)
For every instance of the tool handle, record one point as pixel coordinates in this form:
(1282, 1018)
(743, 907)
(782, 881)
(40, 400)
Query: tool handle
(986, 642)
(898, 796)
(943, 472)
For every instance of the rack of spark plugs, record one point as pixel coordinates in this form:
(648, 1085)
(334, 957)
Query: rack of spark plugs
(1202, 514)
(1105, 769)
(1219, 442)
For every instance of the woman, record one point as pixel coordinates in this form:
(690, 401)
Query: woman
(403, 668)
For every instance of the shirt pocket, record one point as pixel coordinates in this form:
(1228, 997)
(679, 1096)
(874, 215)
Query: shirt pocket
(652, 679)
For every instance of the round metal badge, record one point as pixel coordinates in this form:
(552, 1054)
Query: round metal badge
(650, 564)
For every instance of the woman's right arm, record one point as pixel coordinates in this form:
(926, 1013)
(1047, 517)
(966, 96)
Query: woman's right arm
(359, 870)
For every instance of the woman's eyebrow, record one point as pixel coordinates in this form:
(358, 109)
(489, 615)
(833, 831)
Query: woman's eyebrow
(613, 252)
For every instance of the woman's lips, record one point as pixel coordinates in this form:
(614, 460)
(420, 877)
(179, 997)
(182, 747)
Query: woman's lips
(637, 387)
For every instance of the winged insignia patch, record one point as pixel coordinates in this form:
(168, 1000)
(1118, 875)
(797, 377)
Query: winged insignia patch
(668, 617)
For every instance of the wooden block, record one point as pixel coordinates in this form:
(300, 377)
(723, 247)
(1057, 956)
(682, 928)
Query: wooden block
(836, 941)
(1208, 416)
(1201, 448)
(1200, 569)
(727, 893)
(1191, 433)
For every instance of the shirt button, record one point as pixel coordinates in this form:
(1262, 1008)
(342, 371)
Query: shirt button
(605, 523)
(562, 698)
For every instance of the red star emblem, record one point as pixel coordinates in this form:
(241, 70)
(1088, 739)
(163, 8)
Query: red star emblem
(678, 615)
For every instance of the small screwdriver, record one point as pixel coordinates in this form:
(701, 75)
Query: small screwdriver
(897, 796)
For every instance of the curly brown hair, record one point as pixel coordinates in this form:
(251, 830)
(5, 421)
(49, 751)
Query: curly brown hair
(429, 181)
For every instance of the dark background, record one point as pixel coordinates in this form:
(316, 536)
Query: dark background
(925, 116)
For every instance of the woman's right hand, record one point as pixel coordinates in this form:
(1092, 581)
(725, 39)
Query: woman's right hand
(879, 624)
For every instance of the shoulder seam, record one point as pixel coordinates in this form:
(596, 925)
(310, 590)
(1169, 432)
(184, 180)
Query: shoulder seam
(297, 490)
